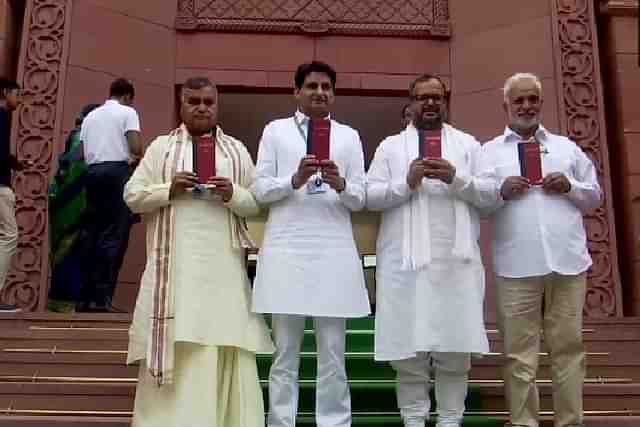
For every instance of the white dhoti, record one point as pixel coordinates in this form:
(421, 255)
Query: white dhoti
(333, 402)
(214, 386)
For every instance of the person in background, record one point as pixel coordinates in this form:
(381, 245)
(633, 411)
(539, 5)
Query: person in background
(110, 136)
(67, 221)
(407, 116)
(10, 99)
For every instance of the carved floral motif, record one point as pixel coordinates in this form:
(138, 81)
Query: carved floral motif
(408, 18)
(35, 124)
(582, 118)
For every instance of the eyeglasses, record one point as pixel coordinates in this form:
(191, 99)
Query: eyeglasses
(436, 99)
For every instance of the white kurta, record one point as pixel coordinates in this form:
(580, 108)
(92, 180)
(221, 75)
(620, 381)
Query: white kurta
(308, 263)
(438, 308)
(212, 291)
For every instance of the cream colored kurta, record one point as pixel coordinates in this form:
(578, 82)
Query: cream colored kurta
(212, 291)
(438, 308)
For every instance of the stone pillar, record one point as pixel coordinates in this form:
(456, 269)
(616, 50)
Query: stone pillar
(36, 125)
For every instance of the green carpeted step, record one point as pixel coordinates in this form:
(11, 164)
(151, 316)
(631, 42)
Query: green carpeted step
(360, 323)
(357, 340)
(370, 396)
(393, 420)
(359, 366)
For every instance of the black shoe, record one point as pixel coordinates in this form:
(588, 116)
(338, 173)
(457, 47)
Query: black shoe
(9, 308)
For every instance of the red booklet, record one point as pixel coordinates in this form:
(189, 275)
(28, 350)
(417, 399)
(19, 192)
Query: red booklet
(204, 158)
(318, 138)
(530, 161)
(430, 143)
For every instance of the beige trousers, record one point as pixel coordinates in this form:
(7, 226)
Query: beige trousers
(521, 317)
(213, 387)
(8, 231)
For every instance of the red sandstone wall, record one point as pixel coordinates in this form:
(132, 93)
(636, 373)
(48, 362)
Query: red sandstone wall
(622, 92)
(490, 40)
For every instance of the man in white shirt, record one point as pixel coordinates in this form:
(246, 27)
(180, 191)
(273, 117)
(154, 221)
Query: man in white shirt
(429, 272)
(308, 264)
(540, 255)
(110, 136)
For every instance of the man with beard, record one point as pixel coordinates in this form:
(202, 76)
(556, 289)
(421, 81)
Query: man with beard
(308, 263)
(430, 277)
(540, 254)
(192, 326)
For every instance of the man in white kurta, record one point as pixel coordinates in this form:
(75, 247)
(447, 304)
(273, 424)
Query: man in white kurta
(193, 330)
(308, 264)
(429, 273)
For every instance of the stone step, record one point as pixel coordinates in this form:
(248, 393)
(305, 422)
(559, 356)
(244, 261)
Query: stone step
(596, 420)
(366, 396)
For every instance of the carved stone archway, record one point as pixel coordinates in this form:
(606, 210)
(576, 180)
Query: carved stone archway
(582, 118)
(36, 126)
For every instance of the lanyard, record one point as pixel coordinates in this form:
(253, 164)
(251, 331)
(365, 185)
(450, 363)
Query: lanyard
(304, 137)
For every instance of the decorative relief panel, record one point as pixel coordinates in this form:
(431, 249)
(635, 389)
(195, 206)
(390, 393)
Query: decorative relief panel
(582, 118)
(35, 126)
(407, 18)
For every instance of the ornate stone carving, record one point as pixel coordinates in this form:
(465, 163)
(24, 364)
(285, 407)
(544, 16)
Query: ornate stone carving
(582, 118)
(407, 18)
(36, 124)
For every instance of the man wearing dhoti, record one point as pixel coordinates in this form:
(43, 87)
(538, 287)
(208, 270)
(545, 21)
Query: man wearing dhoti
(429, 274)
(192, 329)
(308, 264)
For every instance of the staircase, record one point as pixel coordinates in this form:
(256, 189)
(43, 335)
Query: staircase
(68, 370)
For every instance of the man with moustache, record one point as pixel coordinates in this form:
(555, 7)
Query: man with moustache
(540, 254)
(429, 273)
(192, 326)
(308, 264)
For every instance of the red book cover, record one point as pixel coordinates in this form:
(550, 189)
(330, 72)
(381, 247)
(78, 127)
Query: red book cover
(320, 132)
(530, 161)
(431, 144)
(204, 158)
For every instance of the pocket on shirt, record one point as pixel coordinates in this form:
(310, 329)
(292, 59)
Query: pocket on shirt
(506, 170)
(554, 163)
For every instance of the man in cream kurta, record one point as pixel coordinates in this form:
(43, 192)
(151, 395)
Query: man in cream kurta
(308, 263)
(192, 328)
(429, 275)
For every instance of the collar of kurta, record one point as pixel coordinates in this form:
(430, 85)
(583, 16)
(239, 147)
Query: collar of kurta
(302, 118)
(511, 135)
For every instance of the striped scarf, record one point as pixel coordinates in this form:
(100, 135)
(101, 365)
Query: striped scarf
(160, 348)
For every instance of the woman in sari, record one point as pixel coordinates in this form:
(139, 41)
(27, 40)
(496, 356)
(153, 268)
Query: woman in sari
(67, 216)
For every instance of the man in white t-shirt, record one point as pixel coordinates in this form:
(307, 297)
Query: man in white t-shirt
(112, 146)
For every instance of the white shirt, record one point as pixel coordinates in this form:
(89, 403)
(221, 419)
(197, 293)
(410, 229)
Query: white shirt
(104, 131)
(539, 233)
(308, 263)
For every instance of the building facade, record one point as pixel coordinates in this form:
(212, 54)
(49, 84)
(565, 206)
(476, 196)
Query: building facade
(65, 53)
